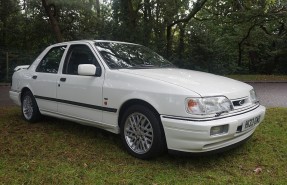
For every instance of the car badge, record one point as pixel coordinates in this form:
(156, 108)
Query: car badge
(241, 102)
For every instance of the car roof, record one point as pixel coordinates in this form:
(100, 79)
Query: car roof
(91, 41)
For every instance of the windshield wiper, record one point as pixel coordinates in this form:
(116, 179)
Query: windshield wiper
(167, 65)
(147, 65)
(141, 66)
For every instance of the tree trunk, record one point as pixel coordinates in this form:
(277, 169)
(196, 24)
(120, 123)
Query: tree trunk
(53, 21)
(4, 33)
(147, 24)
(240, 44)
(98, 8)
(181, 41)
(4, 14)
(240, 51)
(168, 41)
(196, 8)
(131, 17)
(159, 29)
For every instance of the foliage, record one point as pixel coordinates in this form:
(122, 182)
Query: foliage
(60, 152)
(259, 78)
(223, 37)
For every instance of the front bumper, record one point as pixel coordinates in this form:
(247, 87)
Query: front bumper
(194, 136)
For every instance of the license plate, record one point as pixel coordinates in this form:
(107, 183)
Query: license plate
(251, 122)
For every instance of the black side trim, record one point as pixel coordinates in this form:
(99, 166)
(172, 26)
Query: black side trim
(215, 118)
(107, 109)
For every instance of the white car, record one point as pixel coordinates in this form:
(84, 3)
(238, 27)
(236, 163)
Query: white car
(130, 90)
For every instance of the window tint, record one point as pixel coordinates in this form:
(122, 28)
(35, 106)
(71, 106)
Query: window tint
(50, 63)
(79, 54)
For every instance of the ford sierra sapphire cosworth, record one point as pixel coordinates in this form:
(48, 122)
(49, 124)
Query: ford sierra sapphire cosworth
(130, 90)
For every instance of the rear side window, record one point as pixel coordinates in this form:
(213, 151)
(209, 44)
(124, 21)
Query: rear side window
(50, 63)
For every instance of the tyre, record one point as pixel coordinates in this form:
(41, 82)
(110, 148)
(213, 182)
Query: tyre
(142, 133)
(30, 110)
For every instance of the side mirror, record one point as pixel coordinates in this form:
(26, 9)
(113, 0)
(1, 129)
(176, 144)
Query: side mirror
(87, 69)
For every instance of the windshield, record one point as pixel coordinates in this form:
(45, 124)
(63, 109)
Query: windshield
(121, 55)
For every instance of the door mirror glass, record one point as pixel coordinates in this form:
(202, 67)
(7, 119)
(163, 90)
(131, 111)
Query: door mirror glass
(87, 69)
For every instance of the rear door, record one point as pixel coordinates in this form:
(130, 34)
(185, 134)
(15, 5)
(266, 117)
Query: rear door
(44, 79)
(80, 96)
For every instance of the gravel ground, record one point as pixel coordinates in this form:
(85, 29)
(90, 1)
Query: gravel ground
(4, 96)
(269, 94)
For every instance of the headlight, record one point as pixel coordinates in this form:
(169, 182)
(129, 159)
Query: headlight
(253, 96)
(208, 105)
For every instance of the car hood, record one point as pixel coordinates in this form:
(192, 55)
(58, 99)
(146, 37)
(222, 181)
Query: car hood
(205, 84)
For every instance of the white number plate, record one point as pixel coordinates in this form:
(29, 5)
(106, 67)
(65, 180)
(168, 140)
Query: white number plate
(251, 122)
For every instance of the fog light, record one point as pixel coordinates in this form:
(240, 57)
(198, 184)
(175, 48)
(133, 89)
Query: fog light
(222, 129)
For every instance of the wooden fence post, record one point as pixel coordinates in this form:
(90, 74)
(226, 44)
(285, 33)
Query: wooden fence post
(7, 66)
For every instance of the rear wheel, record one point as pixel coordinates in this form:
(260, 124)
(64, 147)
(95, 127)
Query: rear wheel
(30, 110)
(141, 132)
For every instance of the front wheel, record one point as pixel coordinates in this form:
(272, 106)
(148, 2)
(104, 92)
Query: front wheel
(30, 110)
(141, 132)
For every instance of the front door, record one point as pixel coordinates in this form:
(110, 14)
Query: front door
(79, 96)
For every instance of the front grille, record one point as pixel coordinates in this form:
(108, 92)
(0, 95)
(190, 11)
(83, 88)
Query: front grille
(241, 103)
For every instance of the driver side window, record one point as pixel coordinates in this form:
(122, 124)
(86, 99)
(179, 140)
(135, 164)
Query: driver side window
(79, 54)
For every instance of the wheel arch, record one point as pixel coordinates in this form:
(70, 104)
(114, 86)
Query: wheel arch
(131, 102)
(34, 114)
(25, 89)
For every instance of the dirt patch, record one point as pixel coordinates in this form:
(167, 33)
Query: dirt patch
(4, 97)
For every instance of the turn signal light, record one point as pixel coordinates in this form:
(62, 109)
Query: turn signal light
(191, 104)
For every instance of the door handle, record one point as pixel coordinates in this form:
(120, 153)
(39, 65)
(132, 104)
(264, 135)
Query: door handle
(34, 77)
(62, 79)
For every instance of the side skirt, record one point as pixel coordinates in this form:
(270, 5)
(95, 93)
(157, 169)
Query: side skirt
(104, 126)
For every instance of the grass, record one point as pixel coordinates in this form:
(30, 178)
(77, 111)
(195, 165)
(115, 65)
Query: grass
(263, 78)
(60, 152)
